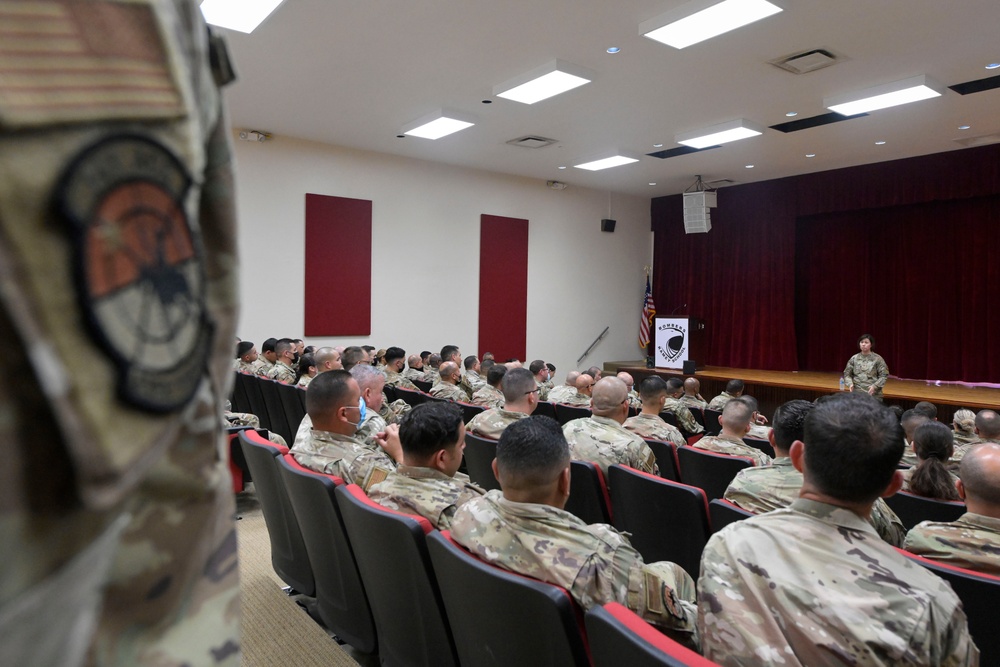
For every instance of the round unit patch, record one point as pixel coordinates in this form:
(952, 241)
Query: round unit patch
(140, 278)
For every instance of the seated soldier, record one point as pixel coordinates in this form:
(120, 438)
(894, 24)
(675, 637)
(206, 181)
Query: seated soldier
(283, 369)
(327, 359)
(927, 409)
(987, 430)
(525, 529)
(447, 387)
(933, 446)
(432, 369)
(490, 395)
(415, 369)
(634, 401)
(246, 357)
(692, 394)
(688, 424)
(352, 356)
(763, 489)
(735, 421)
(972, 542)
(964, 424)
(331, 448)
(541, 373)
(472, 379)
(520, 395)
(584, 391)
(734, 389)
(594, 372)
(910, 420)
(601, 439)
(265, 361)
(371, 381)
(427, 482)
(648, 424)
(812, 584)
(560, 393)
(394, 360)
(758, 430)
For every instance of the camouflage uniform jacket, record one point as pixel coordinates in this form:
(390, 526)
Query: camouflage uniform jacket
(474, 380)
(488, 397)
(759, 432)
(603, 441)
(345, 457)
(412, 374)
(812, 585)
(863, 371)
(282, 372)
(634, 401)
(393, 412)
(577, 399)
(491, 423)
(560, 393)
(263, 366)
(652, 427)
(960, 450)
(693, 402)
(720, 401)
(370, 427)
(722, 444)
(394, 379)
(304, 381)
(972, 542)
(425, 492)
(248, 367)
(595, 563)
(449, 392)
(768, 488)
(433, 375)
(685, 419)
(543, 390)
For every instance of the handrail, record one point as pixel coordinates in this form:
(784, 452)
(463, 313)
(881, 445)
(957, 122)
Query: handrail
(594, 344)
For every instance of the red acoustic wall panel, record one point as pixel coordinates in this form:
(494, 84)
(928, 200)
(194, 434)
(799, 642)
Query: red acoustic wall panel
(338, 266)
(503, 286)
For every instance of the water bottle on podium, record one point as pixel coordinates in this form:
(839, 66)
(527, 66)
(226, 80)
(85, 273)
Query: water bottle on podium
(841, 383)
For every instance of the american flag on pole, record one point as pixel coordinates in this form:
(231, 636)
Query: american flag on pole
(648, 312)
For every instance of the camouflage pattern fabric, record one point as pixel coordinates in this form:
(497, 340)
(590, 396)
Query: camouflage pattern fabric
(250, 368)
(685, 419)
(759, 432)
(489, 397)
(560, 394)
(577, 399)
(263, 366)
(393, 412)
(491, 423)
(972, 542)
(433, 375)
(304, 381)
(466, 389)
(543, 390)
(720, 401)
(412, 374)
(344, 456)
(394, 379)
(425, 492)
(652, 427)
(863, 371)
(960, 451)
(813, 585)
(282, 372)
(634, 401)
(474, 381)
(722, 444)
(908, 473)
(604, 442)
(449, 392)
(693, 402)
(370, 427)
(768, 488)
(595, 563)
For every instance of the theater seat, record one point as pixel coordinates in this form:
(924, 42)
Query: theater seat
(479, 455)
(666, 459)
(567, 413)
(712, 425)
(618, 636)
(710, 471)
(412, 398)
(588, 493)
(912, 509)
(722, 513)
(545, 409)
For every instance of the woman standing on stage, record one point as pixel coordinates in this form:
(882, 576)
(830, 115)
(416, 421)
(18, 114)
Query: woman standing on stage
(866, 371)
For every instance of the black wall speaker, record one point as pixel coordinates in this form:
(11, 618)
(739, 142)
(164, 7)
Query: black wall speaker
(607, 225)
(690, 367)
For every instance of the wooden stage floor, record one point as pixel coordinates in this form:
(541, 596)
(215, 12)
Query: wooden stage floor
(771, 388)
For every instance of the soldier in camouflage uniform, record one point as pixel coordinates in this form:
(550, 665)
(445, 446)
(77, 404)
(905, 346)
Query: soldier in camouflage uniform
(735, 422)
(767, 488)
(584, 391)
(246, 357)
(371, 381)
(472, 380)
(327, 359)
(427, 482)
(910, 420)
(866, 371)
(758, 430)
(564, 391)
(734, 389)
(813, 584)
(415, 369)
(634, 400)
(283, 369)
(394, 359)
(332, 448)
(525, 529)
(448, 387)
(973, 541)
(689, 425)
(520, 398)
(601, 439)
(267, 357)
(540, 370)
(490, 395)
(648, 424)
(116, 516)
(692, 394)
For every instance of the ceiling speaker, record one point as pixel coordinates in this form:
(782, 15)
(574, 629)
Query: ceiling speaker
(607, 225)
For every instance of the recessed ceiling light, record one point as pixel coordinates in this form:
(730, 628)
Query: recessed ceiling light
(614, 49)
(964, 127)
(810, 155)
(749, 166)
(606, 163)
(657, 145)
(792, 114)
(652, 183)
(993, 66)
(400, 136)
(719, 134)
(487, 101)
(543, 82)
(562, 166)
(695, 22)
(909, 90)
(239, 15)
(879, 143)
(438, 124)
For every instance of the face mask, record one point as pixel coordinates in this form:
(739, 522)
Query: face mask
(295, 358)
(362, 411)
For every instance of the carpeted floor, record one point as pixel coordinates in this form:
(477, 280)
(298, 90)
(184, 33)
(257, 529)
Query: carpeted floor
(277, 631)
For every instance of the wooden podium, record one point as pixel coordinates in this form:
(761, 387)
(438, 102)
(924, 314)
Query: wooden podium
(678, 343)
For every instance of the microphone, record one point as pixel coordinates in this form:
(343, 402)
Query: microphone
(674, 311)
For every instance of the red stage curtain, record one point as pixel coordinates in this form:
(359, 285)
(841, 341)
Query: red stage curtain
(503, 286)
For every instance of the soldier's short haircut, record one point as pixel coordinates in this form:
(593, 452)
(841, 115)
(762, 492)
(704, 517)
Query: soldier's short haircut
(674, 384)
(424, 355)
(495, 375)
(910, 420)
(470, 361)
(327, 393)
(926, 408)
(323, 355)
(536, 366)
(651, 387)
(789, 422)
(868, 336)
(367, 376)
(852, 447)
(551, 367)
(368, 348)
(588, 374)
(488, 355)
(736, 414)
(979, 480)
(531, 453)
(516, 383)
(988, 423)
(734, 387)
(429, 428)
(609, 394)
(268, 345)
(305, 361)
(750, 401)
(486, 365)
(448, 351)
(412, 360)
(393, 353)
(352, 356)
(434, 360)
(593, 372)
(282, 346)
(571, 378)
(243, 347)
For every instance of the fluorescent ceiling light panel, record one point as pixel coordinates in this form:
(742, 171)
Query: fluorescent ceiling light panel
(697, 21)
(239, 15)
(543, 82)
(909, 90)
(607, 163)
(720, 134)
(439, 124)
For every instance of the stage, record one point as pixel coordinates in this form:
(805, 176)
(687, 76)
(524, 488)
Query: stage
(772, 388)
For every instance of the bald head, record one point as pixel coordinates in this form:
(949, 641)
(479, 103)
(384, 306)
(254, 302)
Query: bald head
(980, 475)
(609, 399)
(450, 372)
(571, 378)
(585, 384)
(414, 361)
(692, 386)
(327, 359)
(988, 424)
(735, 418)
(627, 379)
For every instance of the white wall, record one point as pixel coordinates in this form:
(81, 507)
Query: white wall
(425, 245)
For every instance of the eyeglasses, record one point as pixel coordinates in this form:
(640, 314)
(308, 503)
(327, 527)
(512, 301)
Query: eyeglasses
(533, 391)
